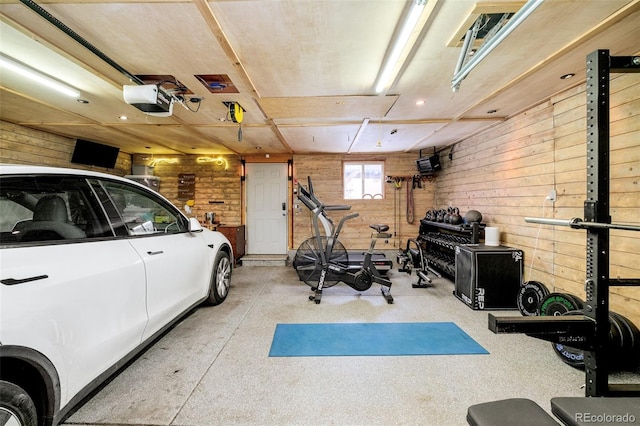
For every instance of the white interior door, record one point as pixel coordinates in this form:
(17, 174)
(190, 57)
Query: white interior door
(267, 208)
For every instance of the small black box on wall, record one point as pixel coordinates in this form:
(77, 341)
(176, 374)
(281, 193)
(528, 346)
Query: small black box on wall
(488, 277)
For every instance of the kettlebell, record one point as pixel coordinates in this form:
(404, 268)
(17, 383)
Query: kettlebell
(455, 218)
(447, 215)
(473, 216)
(429, 215)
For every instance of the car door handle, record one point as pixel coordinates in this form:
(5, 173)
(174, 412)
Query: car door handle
(153, 253)
(13, 281)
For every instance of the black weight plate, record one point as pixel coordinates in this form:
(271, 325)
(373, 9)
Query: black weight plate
(634, 344)
(578, 302)
(625, 335)
(630, 341)
(616, 355)
(570, 356)
(555, 304)
(635, 337)
(546, 290)
(530, 296)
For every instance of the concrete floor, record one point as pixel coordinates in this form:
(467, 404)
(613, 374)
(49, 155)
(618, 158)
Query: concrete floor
(213, 368)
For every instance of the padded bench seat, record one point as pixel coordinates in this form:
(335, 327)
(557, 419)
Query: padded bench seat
(509, 412)
(572, 411)
(600, 411)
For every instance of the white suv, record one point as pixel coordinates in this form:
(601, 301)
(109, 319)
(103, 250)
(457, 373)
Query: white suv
(93, 268)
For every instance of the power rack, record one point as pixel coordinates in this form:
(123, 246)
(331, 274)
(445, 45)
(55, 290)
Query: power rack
(590, 331)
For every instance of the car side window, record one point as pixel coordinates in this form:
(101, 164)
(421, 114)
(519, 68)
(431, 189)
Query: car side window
(49, 209)
(142, 212)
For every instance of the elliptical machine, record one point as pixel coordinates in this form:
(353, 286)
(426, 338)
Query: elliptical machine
(322, 261)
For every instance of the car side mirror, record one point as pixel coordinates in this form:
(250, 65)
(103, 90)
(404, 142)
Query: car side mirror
(194, 225)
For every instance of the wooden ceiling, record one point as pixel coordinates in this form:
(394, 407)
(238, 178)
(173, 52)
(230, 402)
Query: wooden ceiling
(303, 70)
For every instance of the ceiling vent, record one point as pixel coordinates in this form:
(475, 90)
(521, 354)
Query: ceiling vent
(217, 83)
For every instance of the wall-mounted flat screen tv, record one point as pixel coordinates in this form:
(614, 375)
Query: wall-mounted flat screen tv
(94, 154)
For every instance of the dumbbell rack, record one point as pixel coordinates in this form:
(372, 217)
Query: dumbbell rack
(590, 331)
(439, 242)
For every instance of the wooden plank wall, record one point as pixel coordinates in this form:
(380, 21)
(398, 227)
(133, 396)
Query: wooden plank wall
(507, 171)
(23, 145)
(326, 172)
(217, 183)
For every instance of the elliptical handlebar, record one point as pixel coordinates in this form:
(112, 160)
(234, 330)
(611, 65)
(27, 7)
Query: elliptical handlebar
(309, 199)
(318, 209)
(338, 207)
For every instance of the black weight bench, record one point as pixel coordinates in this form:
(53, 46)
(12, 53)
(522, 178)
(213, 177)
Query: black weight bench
(572, 411)
(509, 412)
(595, 410)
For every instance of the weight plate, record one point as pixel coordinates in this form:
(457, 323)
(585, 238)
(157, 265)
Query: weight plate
(616, 355)
(634, 345)
(530, 296)
(630, 336)
(570, 356)
(615, 358)
(555, 304)
(578, 302)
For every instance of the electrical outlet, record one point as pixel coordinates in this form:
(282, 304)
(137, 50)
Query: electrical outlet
(552, 195)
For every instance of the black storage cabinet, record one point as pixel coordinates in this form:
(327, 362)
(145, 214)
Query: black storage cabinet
(488, 277)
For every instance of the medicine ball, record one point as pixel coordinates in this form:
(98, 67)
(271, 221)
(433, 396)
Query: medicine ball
(473, 216)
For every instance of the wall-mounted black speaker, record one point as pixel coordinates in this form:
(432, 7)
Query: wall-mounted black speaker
(428, 165)
(95, 154)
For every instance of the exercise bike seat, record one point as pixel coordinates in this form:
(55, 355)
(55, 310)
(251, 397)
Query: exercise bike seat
(380, 228)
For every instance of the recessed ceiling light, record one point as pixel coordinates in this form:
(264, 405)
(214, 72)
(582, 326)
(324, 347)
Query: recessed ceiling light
(492, 111)
(123, 117)
(566, 76)
(83, 101)
(420, 102)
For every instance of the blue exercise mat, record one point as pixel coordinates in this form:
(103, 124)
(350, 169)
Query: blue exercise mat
(372, 339)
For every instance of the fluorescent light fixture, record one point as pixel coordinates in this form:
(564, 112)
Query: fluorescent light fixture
(391, 66)
(491, 44)
(34, 75)
(358, 134)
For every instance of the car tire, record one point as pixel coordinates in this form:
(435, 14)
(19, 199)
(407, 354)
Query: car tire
(16, 405)
(220, 279)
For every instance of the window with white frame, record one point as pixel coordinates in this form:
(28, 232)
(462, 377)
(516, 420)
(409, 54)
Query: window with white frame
(363, 179)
